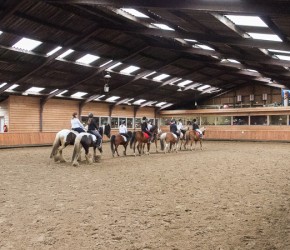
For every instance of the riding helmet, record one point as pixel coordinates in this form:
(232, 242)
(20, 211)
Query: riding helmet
(91, 115)
(144, 118)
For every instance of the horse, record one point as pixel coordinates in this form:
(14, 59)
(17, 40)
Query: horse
(142, 139)
(194, 136)
(170, 140)
(62, 139)
(67, 137)
(119, 139)
(87, 140)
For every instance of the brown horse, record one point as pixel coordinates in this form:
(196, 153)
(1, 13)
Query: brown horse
(142, 139)
(169, 142)
(117, 140)
(194, 136)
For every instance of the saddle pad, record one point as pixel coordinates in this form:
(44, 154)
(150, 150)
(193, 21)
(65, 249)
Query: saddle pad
(124, 137)
(146, 135)
(94, 137)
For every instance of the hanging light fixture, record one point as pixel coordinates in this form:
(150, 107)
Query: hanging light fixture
(107, 78)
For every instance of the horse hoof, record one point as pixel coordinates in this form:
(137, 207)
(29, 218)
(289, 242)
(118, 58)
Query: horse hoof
(75, 164)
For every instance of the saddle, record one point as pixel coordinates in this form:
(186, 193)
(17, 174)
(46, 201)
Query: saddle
(145, 135)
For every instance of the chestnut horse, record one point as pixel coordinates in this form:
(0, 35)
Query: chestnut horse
(119, 139)
(168, 142)
(142, 139)
(194, 136)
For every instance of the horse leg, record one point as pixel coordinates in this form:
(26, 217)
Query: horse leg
(134, 148)
(148, 148)
(60, 157)
(125, 149)
(200, 144)
(116, 149)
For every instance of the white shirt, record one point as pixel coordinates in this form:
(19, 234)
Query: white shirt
(149, 126)
(123, 129)
(75, 123)
(179, 125)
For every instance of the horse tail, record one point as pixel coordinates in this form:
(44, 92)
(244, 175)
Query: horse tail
(112, 143)
(132, 139)
(162, 138)
(55, 145)
(77, 147)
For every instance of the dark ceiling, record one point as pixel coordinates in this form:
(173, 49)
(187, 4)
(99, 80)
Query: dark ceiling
(104, 29)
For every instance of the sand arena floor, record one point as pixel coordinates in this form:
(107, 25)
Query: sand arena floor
(231, 195)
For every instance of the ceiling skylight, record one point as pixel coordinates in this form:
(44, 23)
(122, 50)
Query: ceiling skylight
(247, 20)
(66, 53)
(160, 77)
(233, 61)
(162, 26)
(87, 59)
(166, 106)
(53, 91)
(267, 37)
(280, 51)
(281, 57)
(14, 86)
(78, 94)
(112, 98)
(1, 32)
(184, 83)
(204, 47)
(34, 90)
(26, 44)
(160, 104)
(99, 97)
(134, 12)
(129, 70)
(53, 51)
(138, 102)
(3, 84)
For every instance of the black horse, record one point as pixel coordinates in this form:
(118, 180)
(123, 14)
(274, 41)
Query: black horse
(87, 140)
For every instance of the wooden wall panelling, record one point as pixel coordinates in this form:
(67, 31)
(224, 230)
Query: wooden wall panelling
(149, 112)
(24, 114)
(57, 114)
(123, 111)
(97, 108)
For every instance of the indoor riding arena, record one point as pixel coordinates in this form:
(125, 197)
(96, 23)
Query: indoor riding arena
(84, 81)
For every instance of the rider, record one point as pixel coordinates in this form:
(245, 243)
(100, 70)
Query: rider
(173, 128)
(196, 127)
(92, 129)
(180, 127)
(123, 130)
(144, 128)
(76, 125)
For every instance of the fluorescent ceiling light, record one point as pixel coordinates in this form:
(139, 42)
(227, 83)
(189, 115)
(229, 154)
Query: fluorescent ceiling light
(34, 90)
(172, 83)
(160, 77)
(247, 20)
(69, 51)
(190, 40)
(160, 104)
(60, 94)
(26, 44)
(12, 87)
(233, 61)
(279, 51)
(78, 94)
(287, 58)
(105, 63)
(114, 66)
(3, 84)
(134, 12)
(162, 26)
(252, 70)
(53, 91)
(1, 32)
(87, 59)
(53, 51)
(129, 70)
(166, 106)
(101, 96)
(112, 98)
(149, 74)
(202, 46)
(267, 37)
(138, 102)
(203, 87)
(184, 83)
